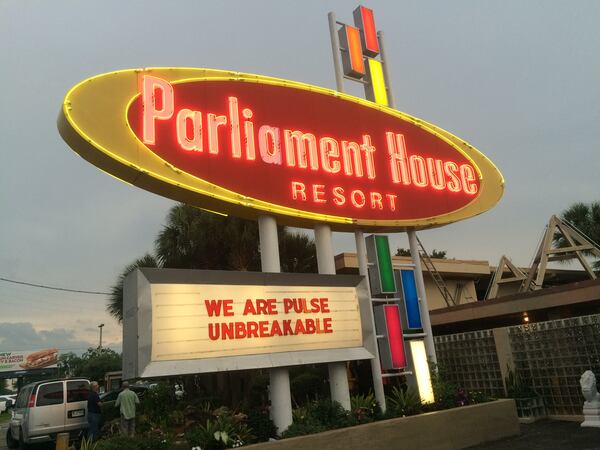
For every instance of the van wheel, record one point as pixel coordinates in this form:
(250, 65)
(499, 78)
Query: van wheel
(22, 444)
(10, 440)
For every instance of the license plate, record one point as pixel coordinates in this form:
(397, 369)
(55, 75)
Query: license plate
(77, 413)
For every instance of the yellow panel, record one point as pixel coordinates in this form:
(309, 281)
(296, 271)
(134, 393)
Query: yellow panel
(421, 368)
(378, 82)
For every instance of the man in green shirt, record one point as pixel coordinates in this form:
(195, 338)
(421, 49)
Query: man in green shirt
(127, 400)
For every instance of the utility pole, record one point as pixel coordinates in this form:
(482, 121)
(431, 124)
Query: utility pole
(100, 327)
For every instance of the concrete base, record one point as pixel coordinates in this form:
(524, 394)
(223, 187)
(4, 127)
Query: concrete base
(591, 417)
(451, 429)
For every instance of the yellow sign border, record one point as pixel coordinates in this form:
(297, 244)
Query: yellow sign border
(93, 122)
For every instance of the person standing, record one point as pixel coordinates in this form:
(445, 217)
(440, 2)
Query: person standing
(127, 401)
(93, 411)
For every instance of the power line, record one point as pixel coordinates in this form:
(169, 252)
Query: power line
(53, 288)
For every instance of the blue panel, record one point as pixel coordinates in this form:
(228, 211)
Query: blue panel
(411, 299)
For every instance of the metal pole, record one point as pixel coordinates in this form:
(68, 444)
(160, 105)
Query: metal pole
(363, 269)
(279, 384)
(386, 72)
(425, 320)
(360, 241)
(338, 377)
(100, 343)
(335, 48)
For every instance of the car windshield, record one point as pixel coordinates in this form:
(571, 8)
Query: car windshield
(109, 396)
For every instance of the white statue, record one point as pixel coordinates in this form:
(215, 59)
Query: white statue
(591, 406)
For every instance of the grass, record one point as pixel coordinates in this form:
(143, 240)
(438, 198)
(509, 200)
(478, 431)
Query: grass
(4, 417)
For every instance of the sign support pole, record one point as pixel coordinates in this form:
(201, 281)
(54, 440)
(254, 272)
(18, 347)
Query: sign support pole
(425, 320)
(363, 269)
(279, 377)
(412, 235)
(361, 249)
(338, 376)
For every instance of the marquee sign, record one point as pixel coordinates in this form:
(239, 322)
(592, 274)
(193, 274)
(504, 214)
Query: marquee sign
(249, 145)
(194, 321)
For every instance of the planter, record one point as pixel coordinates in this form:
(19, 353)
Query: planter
(530, 409)
(451, 429)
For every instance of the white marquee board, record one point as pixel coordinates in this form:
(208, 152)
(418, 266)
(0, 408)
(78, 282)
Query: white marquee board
(186, 321)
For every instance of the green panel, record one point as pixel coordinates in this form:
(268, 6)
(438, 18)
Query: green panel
(384, 262)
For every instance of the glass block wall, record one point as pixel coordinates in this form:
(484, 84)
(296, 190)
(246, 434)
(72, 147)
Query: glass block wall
(551, 356)
(470, 361)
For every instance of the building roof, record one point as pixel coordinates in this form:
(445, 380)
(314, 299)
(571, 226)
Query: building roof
(511, 308)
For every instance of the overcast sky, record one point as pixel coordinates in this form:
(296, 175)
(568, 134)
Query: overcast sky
(519, 80)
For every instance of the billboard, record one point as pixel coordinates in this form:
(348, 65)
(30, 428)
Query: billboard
(28, 360)
(248, 145)
(198, 321)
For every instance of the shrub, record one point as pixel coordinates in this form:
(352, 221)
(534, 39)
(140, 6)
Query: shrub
(138, 443)
(365, 408)
(516, 387)
(317, 416)
(302, 429)
(478, 397)
(261, 425)
(118, 443)
(330, 414)
(404, 402)
(223, 432)
(158, 403)
(444, 392)
(307, 384)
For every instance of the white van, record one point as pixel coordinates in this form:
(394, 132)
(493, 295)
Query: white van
(45, 408)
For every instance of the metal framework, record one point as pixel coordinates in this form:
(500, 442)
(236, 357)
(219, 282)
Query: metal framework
(437, 277)
(578, 245)
(516, 275)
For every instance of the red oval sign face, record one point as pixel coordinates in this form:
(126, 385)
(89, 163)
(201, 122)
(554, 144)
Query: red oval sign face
(302, 152)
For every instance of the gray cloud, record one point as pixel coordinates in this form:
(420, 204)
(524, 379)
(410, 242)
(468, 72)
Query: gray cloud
(23, 336)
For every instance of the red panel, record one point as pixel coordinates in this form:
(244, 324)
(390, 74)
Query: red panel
(395, 338)
(370, 32)
(350, 172)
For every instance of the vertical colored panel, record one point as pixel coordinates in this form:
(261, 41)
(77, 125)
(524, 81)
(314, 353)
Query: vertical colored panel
(421, 370)
(355, 49)
(377, 82)
(352, 58)
(384, 263)
(411, 298)
(364, 19)
(394, 334)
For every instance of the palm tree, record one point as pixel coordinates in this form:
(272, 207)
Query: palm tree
(196, 239)
(586, 218)
(115, 299)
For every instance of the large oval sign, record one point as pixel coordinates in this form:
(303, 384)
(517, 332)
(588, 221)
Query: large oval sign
(249, 145)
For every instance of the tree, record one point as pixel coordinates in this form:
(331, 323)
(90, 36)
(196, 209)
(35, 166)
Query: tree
(440, 254)
(115, 299)
(69, 364)
(196, 239)
(586, 218)
(95, 362)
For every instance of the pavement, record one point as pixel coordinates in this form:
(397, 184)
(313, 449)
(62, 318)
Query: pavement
(548, 435)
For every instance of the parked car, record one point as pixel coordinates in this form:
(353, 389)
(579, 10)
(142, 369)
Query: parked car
(108, 399)
(9, 400)
(46, 408)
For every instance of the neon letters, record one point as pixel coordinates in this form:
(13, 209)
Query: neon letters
(232, 132)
